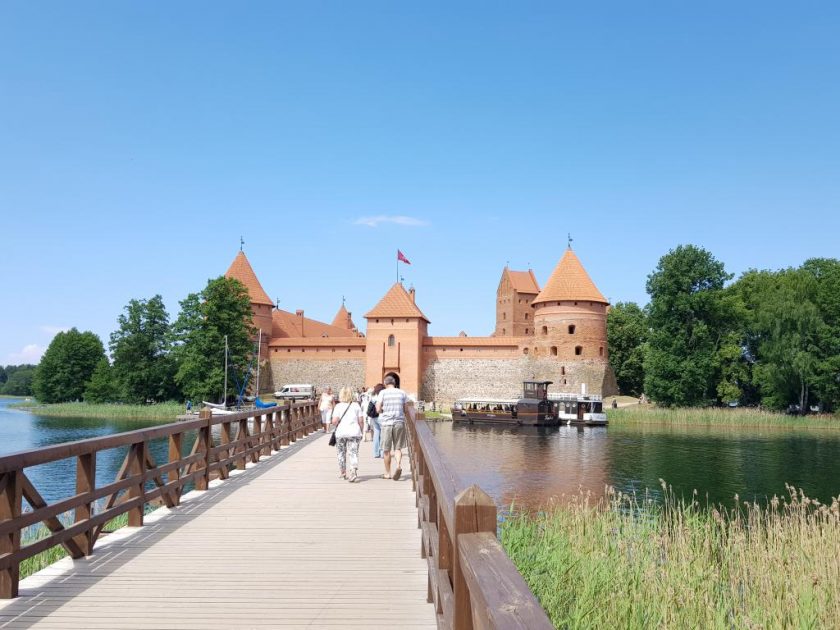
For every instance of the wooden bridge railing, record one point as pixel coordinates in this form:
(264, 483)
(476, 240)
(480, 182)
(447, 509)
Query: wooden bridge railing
(472, 581)
(241, 437)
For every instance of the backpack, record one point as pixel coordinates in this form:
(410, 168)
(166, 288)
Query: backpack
(371, 410)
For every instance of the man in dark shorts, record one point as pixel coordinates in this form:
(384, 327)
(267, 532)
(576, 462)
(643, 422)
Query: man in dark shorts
(392, 405)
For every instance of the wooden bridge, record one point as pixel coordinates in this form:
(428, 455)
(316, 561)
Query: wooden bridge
(268, 537)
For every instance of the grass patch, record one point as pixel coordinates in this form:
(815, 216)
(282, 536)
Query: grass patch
(718, 417)
(54, 554)
(625, 562)
(159, 411)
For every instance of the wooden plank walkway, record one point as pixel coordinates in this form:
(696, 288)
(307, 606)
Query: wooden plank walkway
(283, 544)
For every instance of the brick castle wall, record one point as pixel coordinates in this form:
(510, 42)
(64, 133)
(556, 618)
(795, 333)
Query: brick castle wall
(335, 373)
(446, 380)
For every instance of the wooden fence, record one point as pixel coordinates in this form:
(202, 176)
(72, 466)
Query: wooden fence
(472, 581)
(240, 438)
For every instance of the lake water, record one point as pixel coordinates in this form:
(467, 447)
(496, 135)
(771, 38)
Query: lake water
(530, 466)
(20, 430)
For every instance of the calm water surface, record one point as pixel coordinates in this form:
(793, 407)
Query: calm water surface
(20, 430)
(530, 466)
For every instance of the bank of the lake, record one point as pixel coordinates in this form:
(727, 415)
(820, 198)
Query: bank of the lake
(722, 417)
(157, 412)
(630, 562)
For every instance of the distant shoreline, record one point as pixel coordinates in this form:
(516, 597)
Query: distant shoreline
(160, 411)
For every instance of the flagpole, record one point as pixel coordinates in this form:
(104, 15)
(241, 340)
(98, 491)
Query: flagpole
(398, 265)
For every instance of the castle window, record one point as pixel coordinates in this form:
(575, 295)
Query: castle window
(578, 350)
(392, 321)
(563, 370)
(601, 351)
(406, 321)
(504, 315)
(391, 341)
(527, 331)
(564, 381)
(572, 329)
(575, 303)
(504, 331)
(524, 350)
(545, 330)
(348, 349)
(526, 315)
(460, 350)
(554, 351)
(377, 321)
(288, 349)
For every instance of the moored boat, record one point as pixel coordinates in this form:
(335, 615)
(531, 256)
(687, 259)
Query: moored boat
(579, 409)
(533, 409)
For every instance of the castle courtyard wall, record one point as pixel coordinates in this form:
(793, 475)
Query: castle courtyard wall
(334, 372)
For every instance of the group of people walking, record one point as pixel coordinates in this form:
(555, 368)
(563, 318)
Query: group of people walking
(381, 411)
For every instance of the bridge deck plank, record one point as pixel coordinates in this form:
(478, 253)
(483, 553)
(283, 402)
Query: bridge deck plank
(283, 544)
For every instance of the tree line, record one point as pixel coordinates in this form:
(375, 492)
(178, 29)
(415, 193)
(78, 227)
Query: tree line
(770, 338)
(16, 380)
(151, 359)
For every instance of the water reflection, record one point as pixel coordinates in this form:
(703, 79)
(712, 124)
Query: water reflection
(531, 466)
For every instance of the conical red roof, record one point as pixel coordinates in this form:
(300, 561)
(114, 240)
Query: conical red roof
(342, 319)
(569, 282)
(396, 303)
(241, 270)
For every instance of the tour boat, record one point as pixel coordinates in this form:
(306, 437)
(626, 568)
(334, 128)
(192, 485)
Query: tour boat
(536, 408)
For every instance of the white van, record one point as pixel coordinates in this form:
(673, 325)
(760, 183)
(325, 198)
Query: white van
(295, 391)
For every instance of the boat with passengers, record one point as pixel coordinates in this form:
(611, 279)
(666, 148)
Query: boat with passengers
(536, 408)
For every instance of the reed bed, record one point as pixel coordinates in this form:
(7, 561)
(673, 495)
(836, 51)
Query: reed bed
(628, 562)
(54, 554)
(159, 411)
(718, 417)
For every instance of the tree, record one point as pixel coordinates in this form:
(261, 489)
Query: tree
(143, 368)
(826, 273)
(67, 366)
(3, 376)
(222, 309)
(688, 316)
(627, 333)
(102, 387)
(19, 382)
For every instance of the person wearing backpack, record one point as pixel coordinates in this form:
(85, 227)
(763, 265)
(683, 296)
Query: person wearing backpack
(373, 420)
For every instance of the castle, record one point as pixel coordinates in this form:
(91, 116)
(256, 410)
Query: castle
(557, 333)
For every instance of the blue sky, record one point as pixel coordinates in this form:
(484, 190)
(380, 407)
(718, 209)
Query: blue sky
(139, 141)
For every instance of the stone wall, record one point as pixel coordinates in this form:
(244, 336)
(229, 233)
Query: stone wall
(335, 373)
(446, 380)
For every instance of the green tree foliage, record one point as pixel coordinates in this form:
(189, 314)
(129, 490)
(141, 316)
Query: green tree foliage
(790, 333)
(627, 332)
(19, 380)
(689, 315)
(3, 376)
(102, 386)
(222, 309)
(67, 366)
(143, 366)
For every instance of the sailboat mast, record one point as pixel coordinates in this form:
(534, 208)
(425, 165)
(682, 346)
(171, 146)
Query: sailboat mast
(259, 345)
(224, 394)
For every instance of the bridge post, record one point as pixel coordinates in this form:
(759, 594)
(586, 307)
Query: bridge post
(137, 467)
(11, 495)
(174, 475)
(284, 426)
(85, 483)
(475, 512)
(202, 482)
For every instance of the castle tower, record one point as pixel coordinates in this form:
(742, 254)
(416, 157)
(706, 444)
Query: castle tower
(344, 319)
(261, 305)
(514, 315)
(570, 329)
(396, 328)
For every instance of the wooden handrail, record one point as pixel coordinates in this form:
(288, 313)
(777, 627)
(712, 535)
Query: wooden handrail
(140, 481)
(472, 581)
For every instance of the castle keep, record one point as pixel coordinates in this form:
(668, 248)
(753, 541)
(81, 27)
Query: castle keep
(557, 333)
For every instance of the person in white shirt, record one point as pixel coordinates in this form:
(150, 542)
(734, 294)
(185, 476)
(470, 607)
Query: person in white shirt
(326, 407)
(392, 405)
(348, 420)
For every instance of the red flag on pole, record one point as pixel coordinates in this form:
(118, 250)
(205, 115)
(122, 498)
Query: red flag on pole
(401, 257)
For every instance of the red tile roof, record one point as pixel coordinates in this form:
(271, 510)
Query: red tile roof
(286, 324)
(343, 319)
(523, 281)
(241, 270)
(501, 342)
(569, 281)
(396, 303)
(319, 342)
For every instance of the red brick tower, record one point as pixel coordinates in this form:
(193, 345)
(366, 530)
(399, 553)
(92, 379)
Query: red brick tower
(514, 315)
(261, 305)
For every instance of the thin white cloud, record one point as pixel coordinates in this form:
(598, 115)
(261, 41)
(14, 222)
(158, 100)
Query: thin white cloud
(54, 330)
(31, 353)
(394, 218)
